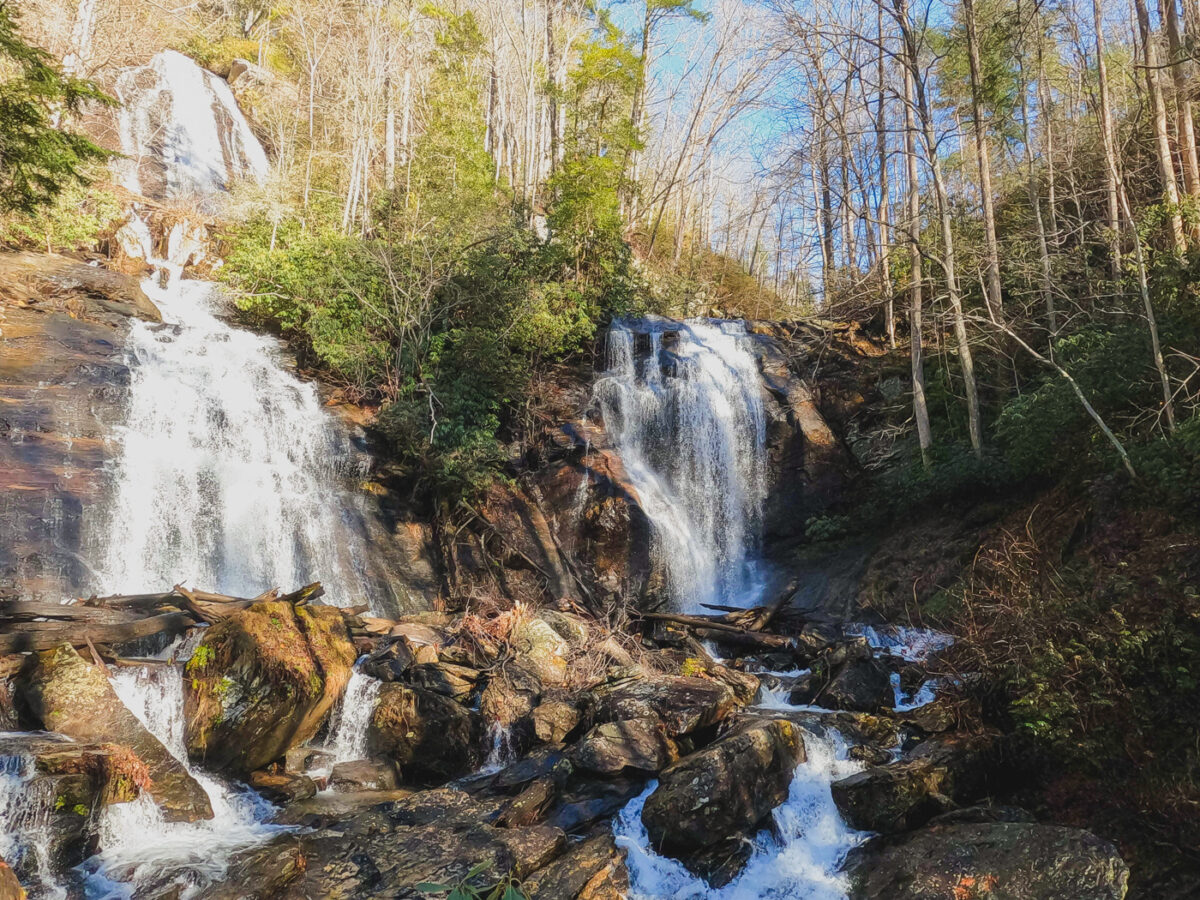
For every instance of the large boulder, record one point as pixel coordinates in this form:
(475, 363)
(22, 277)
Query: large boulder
(726, 788)
(541, 649)
(640, 744)
(862, 685)
(905, 794)
(73, 697)
(262, 682)
(683, 704)
(1009, 860)
(427, 735)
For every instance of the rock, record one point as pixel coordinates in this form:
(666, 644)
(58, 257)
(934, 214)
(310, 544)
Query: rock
(48, 281)
(587, 803)
(330, 807)
(860, 686)
(391, 662)
(362, 775)
(283, 787)
(640, 744)
(541, 649)
(72, 697)
(10, 887)
(299, 760)
(262, 872)
(425, 734)
(592, 870)
(540, 762)
(905, 794)
(682, 704)
(979, 815)
(553, 720)
(530, 806)
(447, 679)
(510, 696)
(262, 681)
(932, 718)
(722, 862)
(724, 789)
(1010, 860)
(419, 634)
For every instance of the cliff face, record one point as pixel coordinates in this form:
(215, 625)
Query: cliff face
(62, 382)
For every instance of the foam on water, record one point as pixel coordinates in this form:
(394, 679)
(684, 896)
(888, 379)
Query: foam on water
(799, 858)
(138, 846)
(689, 423)
(26, 810)
(908, 643)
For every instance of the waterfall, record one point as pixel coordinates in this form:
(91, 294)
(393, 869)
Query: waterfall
(348, 729)
(683, 405)
(136, 844)
(26, 810)
(227, 467)
(798, 859)
(173, 151)
(501, 749)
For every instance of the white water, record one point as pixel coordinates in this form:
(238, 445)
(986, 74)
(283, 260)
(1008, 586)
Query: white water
(226, 475)
(501, 751)
(182, 133)
(797, 859)
(137, 845)
(26, 809)
(348, 728)
(906, 642)
(693, 441)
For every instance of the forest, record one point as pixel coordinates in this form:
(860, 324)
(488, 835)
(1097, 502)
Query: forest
(1002, 195)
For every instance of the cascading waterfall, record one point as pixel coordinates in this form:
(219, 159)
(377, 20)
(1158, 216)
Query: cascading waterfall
(26, 808)
(137, 844)
(683, 404)
(798, 859)
(228, 466)
(348, 729)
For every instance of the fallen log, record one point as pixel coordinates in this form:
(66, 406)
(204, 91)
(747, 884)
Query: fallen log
(210, 610)
(767, 613)
(31, 611)
(36, 636)
(722, 631)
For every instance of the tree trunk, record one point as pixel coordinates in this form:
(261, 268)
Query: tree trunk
(920, 407)
(884, 212)
(1112, 175)
(1185, 127)
(992, 279)
(1158, 109)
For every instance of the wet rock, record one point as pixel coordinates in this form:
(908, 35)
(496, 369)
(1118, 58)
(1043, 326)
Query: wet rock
(860, 686)
(1013, 860)
(725, 788)
(591, 870)
(283, 787)
(262, 682)
(10, 887)
(682, 704)
(933, 718)
(540, 762)
(979, 815)
(299, 760)
(51, 282)
(640, 744)
(73, 697)
(425, 734)
(362, 775)
(390, 662)
(722, 862)
(553, 720)
(587, 803)
(447, 679)
(261, 873)
(901, 796)
(328, 808)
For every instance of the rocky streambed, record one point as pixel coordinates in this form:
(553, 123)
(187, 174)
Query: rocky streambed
(537, 746)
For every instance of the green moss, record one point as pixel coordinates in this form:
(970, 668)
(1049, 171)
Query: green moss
(79, 809)
(201, 658)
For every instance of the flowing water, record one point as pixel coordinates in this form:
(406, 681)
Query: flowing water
(798, 858)
(137, 845)
(26, 810)
(227, 475)
(348, 728)
(683, 404)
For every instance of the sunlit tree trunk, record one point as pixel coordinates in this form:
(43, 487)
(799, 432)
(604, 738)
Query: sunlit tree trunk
(992, 275)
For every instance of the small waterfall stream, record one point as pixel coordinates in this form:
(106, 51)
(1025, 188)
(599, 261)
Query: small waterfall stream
(683, 404)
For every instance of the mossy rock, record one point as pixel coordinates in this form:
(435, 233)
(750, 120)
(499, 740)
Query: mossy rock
(262, 682)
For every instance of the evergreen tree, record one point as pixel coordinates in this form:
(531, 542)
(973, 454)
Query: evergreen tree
(38, 158)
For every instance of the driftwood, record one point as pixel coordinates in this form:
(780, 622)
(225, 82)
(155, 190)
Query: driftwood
(22, 611)
(33, 636)
(722, 631)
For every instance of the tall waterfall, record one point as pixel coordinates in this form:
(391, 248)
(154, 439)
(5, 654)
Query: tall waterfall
(227, 471)
(683, 405)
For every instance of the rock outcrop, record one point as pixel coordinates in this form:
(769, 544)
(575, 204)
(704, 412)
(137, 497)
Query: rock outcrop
(724, 789)
(70, 696)
(263, 681)
(427, 735)
(1013, 860)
